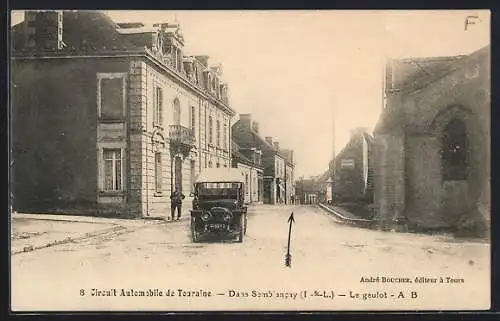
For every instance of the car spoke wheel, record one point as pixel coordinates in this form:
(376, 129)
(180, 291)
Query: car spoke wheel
(242, 229)
(194, 234)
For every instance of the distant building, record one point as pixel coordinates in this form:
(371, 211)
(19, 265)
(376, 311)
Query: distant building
(109, 118)
(289, 174)
(353, 180)
(249, 161)
(432, 143)
(309, 191)
(278, 164)
(353, 169)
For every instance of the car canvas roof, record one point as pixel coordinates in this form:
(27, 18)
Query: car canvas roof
(220, 175)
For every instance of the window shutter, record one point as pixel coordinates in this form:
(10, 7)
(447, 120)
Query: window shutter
(155, 117)
(160, 105)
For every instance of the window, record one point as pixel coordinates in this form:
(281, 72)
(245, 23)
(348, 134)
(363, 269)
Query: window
(225, 136)
(454, 151)
(210, 130)
(157, 41)
(113, 179)
(158, 173)
(218, 133)
(206, 80)
(158, 106)
(111, 96)
(246, 184)
(193, 120)
(179, 61)
(177, 112)
(195, 72)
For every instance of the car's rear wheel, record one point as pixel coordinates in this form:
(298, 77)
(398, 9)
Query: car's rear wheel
(195, 235)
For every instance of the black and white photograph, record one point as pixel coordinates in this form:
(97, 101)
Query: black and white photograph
(250, 160)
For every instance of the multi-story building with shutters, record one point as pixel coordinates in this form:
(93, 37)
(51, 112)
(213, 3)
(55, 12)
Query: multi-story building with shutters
(277, 182)
(249, 161)
(109, 117)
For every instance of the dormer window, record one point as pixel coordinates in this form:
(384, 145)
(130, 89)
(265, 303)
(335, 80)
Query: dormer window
(207, 81)
(158, 42)
(179, 61)
(195, 72)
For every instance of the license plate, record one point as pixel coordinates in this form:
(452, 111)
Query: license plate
(217, 226)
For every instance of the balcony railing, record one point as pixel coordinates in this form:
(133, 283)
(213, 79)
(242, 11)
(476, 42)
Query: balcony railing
(180, 135)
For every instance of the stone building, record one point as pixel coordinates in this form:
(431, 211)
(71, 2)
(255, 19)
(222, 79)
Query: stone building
(278, 164)
(432, 143)
(309, 191)
(289, 176)
(249, 161)
(353, 169)
(108, 118)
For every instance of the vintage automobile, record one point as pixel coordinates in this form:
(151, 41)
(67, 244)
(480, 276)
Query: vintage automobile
(218, 205)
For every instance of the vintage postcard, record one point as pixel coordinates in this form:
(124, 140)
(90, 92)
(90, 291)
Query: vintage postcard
(250, 160)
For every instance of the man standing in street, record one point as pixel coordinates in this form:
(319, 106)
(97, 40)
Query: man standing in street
(176, 203)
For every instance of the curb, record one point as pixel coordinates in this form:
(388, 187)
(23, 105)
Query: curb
(90, 235)
(70, 239)
(360, 222)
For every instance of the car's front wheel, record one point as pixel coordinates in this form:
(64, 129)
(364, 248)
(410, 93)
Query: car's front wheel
(242, 229)
(195, 235)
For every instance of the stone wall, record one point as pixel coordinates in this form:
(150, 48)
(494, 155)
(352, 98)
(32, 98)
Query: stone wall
(252, 189)
(423, 172)
(389, 178)
(429, 201)
(54, 134)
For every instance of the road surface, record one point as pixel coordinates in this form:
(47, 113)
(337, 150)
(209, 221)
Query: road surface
(334, 267)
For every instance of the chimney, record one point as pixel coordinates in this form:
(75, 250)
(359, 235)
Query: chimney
(188, 64)
(203, 59)
(269, 140)
(217, 69)
(255, 126)
(246, 120)
(44, 29)
(276, 145)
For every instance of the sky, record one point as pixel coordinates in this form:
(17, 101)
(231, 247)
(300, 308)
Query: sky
(300, 72)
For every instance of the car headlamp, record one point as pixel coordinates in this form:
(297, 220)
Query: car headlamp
(227, 217)
(206, 216)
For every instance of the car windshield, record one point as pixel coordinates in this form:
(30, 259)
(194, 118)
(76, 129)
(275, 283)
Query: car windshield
(219, 190)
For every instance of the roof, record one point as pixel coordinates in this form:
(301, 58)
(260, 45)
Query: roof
(426, 71)
(240, 157)
(287, 154)
(248, 138)
(354, 141)
(411, 73)
(220, 175)
(83, 31)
